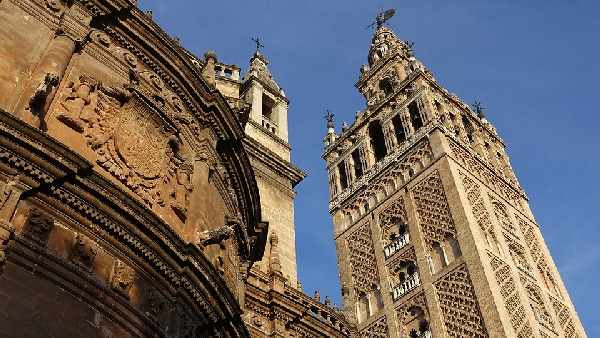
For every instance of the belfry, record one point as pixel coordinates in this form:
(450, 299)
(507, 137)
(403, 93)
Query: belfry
(434, 234)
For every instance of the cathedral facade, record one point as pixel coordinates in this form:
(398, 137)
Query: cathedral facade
(434, 234)
(149, 192)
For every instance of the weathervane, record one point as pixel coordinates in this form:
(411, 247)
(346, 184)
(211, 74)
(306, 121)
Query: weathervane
(382, 17)
(258, 44)
(478, 109)
(329, 117)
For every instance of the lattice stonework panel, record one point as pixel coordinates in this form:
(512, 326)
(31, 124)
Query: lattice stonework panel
(510, 294)
(533, 245)
(459, 305)
(362, 258)
(378, 329)
(477, 205)
(391, 217)
(433, 210)
(490, 178)
(564, 318)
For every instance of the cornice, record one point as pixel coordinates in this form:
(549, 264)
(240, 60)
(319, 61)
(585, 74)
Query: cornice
(274, 161)
(69, 182)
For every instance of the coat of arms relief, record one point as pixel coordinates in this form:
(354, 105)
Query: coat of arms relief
(131, 130)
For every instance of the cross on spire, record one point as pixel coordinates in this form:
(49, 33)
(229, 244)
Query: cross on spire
(259, 45)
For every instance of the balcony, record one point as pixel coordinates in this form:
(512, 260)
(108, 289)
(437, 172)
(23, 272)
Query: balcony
(403, 288)
(396, 245)
(424, 334)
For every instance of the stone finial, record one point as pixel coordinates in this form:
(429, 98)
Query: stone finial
(275, 263)
(327, 300)
(345, 126)
(317, 295)
(208, 72)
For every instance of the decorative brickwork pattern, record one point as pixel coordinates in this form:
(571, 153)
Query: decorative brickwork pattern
(535, 250)
(477, 205)
(536, 302)
(378, 329)
(490, 178)
(502, 215)
(517, 252)
(391, 218)
(564, 318)
(433, 210)
(402, 312)
(510, 294)
(362, 258)
(459, 305)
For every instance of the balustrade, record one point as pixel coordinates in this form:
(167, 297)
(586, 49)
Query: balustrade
(403, 288)
(396, 245)
(269, 125)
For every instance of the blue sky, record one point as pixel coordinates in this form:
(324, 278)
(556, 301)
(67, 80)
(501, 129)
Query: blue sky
(534, 64)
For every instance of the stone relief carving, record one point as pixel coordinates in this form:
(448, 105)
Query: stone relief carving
(122, 278)
(39, 97)
(80, 103)
(38, 226)
(132, 132)
(83, 252)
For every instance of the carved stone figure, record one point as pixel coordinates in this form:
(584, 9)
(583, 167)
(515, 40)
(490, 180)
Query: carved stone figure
(182, 190)
(220, 234)
(38, 226)
(80, 103)
(122, 278)
(84, 252)
(38, 100)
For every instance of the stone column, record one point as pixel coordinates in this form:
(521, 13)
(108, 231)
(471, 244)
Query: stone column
(406, 122)
(390, 136)
(349, 162)
(256, 93)
(363, 158)
(281, 110)
(47, 75)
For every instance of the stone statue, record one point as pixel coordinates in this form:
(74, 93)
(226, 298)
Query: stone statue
(80, 103)
(182, 190)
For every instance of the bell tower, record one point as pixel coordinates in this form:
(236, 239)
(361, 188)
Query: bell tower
(267, 144)
(434, 234)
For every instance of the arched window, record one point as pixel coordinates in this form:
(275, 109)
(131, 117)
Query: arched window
(343, 175)
(386, 86)
(452, 243)
(377, 140)
(398, 129)
(363, 311)
(415, 115)
(358, 168)
(439, 257)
